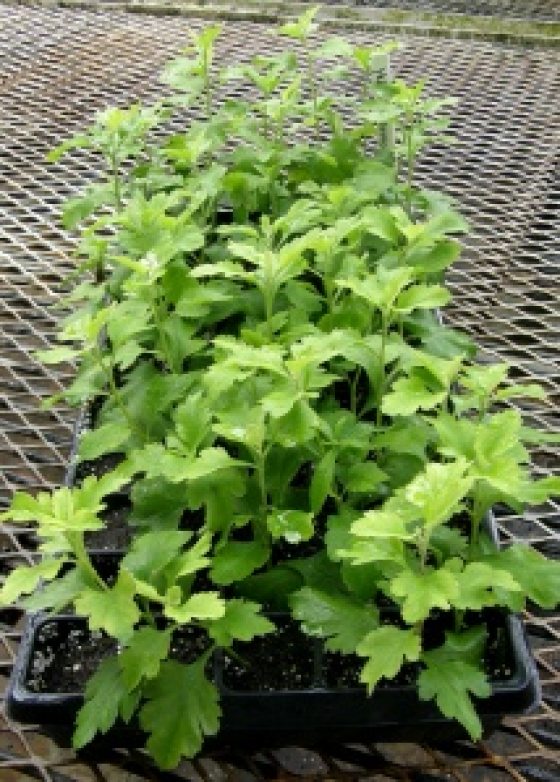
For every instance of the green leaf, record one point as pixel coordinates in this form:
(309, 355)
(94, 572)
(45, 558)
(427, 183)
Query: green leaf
(342, 620)
(56, 355)
(182, 709)
(410, 394)
(363, 477)
(241, 622)
(321, 482)
(143, 655)
(152, 551)
(295, 526)
(157, 504)
(271, 588)
(422, 296)
(25, 579)
(387, 648)
(383, 523)
(481, 585)
(209, 461)
(422, 592)
(202, 605)
(538, 577)
(438, 490)
(450, 682)
(107, 438)
(235, 561)
(112, 610)
(105, 692)
(58, 594)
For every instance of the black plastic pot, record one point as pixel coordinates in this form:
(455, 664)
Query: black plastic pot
(311, 716)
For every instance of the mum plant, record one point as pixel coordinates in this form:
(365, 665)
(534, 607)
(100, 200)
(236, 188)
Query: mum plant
(273, 391)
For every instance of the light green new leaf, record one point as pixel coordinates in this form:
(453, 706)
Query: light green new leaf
(203, 605)
(450, 682)
(112, 610)
(438, 490)
(237, 560)
(382, 524)
(105, 692)
(341, 620)
(182, 709)
(295, 526)
(422, 592)
(410, 394)
(24, 580)
(422, 296)
(241, 622)
(142, 656)
(107, 438)
(57, 355)
(387, 648)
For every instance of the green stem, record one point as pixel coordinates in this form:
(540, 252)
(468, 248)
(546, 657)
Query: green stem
(409, 171)
(76, 543)
(115, 392)
(381, 382)
(116, 181)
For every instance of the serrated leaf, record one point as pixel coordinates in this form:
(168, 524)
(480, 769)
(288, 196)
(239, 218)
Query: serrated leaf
(538, 576)
(107, 438)
(450, 682)
(142, 656)
(58, 594)
(104, 694)
(25, 579)
(481, 585)
(387, 648)
(321, 482)
(112, 610)
(200, 606)
(153, 551)
(342, 620)
(382, 524)
(410, 394)
(237, 560)
(421, 592)
(241, 622)
(295, 526)
(438, 490)
(157, 504)
(182, 709)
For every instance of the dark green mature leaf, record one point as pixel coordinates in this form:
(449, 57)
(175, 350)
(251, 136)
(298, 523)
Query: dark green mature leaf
(105, 692)
(152, 551)
(450, 682)
(241, 622)
(143, 655)
(182, 709)
(363, 477)
(157, 504)
(342, 620)
(321, 482)
(236, 560)
(387, 648)
(273, 588)
(112, 610)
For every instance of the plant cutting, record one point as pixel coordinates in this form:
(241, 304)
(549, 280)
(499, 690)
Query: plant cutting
(306, 457)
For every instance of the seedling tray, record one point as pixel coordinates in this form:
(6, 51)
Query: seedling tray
(310, 716)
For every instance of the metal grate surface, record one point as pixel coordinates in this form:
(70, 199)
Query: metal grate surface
(543, 10)
(58, 67)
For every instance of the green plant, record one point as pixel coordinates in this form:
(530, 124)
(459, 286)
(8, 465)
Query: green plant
(294, 423)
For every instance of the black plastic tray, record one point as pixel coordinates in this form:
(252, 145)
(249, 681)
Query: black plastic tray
(312, 716)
